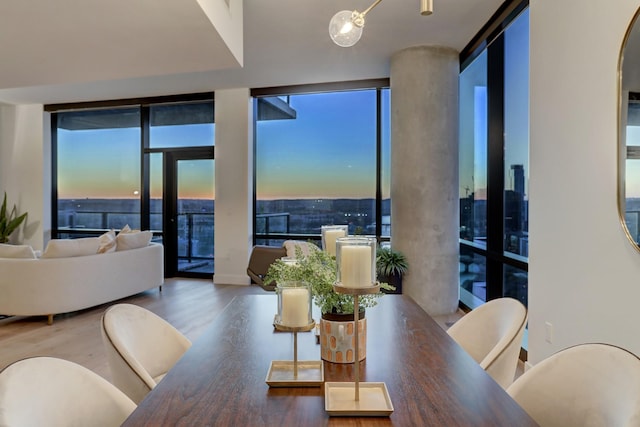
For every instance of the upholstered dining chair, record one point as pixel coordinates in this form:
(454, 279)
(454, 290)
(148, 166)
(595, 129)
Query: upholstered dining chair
(46, 391)
(492, 335)
(585, 385)
(141, 347)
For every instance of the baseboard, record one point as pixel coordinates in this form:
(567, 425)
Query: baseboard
(231, 279)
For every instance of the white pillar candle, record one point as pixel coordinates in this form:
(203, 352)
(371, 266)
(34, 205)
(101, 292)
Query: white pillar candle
(355, 266)
(295, 307)
(330, 237)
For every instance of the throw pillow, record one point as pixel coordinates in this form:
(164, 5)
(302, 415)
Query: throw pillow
(290, 247)
(16, 251)
(125, 229)
(133, 240)
(107, 242)
(62, 248)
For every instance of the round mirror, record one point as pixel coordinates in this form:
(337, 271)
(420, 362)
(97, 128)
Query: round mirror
(629, 132)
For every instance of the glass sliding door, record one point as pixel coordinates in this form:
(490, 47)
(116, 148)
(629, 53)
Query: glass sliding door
(196, 198)
(181, 143)
(189, 201)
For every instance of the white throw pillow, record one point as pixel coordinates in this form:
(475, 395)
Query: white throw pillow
(63, 248)
(125, 229)
(133, 240)
(16, 251)
(290, 247)
(107, 242)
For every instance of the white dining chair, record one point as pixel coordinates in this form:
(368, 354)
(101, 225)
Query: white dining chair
(587, 385)
(492, 335)
(46, 391)
(141, 347)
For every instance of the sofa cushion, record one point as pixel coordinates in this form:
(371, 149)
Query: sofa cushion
(107, 242)
(133, 240)
(63, 248)
(16, 251)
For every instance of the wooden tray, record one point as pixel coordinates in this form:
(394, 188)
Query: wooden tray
(310, 374)
(339, 399)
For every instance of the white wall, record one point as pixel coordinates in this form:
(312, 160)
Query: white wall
(234, 182)
(584, 275)
(25, 169)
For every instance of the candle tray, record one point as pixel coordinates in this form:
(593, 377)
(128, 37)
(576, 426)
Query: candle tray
(339, 399)
(310, 373)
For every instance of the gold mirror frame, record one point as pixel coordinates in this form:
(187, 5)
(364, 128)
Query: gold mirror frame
(628, 76)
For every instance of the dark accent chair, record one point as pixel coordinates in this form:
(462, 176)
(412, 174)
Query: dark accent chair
(261, 258)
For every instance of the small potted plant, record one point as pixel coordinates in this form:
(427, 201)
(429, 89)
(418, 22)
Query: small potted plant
(319, 269)
(391, 265)
(9, 220)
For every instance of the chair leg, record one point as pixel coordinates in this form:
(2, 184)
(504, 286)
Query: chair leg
(50, 319)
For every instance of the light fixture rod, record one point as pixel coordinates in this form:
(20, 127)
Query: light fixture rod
(375, 3)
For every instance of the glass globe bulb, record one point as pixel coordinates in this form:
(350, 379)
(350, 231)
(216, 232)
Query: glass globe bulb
(343, 30)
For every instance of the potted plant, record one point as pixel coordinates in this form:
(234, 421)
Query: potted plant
(391, 265)
(9, 220)
(319, 269)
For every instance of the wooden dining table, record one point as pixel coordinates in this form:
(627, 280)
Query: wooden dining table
(221, 379)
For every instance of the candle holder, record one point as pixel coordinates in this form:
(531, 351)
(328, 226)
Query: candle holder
(356, 276)
(294, 315)
(356, 262)
(330, 233)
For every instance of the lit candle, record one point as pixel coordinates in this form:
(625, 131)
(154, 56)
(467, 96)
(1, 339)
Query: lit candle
(355, 266)
(295, 307)
(330, 237)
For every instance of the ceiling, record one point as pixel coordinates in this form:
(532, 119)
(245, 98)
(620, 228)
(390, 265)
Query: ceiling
(72, 51)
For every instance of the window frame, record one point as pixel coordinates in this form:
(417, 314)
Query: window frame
(491, 39)
(285, 91)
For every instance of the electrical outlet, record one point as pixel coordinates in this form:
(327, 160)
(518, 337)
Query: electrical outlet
(548, 332)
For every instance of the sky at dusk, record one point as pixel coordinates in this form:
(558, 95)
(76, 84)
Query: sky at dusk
(105, 163)
(328, 151)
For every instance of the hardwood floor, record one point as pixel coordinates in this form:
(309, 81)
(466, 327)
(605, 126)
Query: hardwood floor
(188, 304)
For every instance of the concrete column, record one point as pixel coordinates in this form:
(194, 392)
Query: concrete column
(424, 173)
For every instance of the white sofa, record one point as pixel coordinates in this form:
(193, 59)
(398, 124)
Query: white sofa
(48, 286)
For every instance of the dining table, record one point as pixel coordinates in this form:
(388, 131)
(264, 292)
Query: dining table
(222, 379)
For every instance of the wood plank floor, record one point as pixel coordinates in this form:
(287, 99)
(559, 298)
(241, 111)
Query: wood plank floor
(188, 304)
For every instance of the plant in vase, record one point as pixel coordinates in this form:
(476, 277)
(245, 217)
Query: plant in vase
(319, 269)
(391, 265)
(9, 220)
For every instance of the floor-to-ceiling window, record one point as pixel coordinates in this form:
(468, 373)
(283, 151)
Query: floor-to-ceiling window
(494, 159)
(145, 163)
(321, 158)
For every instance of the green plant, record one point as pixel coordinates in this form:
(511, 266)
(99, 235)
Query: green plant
(319, 270)
(391, 262)
(9, 221)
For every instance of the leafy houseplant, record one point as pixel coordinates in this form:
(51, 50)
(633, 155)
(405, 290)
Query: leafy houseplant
(9, 221)
(391, 265)
(319, 270)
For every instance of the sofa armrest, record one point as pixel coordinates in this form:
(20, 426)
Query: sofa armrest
(261, 258)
